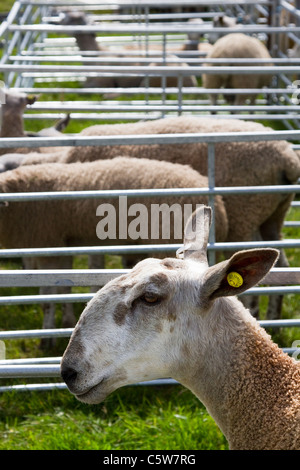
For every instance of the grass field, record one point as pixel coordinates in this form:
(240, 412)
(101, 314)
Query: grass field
(156, 418)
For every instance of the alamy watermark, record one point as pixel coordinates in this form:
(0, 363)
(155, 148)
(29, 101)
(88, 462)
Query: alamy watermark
(123, 221)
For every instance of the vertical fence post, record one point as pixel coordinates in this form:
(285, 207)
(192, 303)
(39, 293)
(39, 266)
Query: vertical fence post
(211, 198)
(180, 85)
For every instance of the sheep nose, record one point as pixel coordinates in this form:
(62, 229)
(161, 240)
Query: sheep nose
(68, 374)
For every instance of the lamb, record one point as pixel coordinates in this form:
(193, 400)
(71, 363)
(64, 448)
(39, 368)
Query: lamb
(237, 164)
(237, 45)
(180, 318)
(59, 223)
(87, 42)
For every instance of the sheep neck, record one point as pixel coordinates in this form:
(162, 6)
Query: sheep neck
(12, 127)
(247, 383)
(191, 45)
(87, 42)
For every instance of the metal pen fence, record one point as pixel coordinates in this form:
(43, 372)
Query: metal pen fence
(27, 278)
(28, 46)
(35, 62)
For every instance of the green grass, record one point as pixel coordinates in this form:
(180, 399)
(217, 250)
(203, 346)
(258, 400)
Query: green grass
(5, 5)
(136, 418)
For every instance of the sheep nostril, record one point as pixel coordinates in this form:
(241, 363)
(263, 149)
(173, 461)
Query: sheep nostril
(68, 374)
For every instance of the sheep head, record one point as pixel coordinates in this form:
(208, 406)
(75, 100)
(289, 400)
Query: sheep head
(148, 323)
(16, 102)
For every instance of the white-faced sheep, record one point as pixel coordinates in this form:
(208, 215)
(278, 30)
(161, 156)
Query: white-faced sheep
(250, 217)
(237, 46)
(86, 41)
(181, 319)
(59, 223)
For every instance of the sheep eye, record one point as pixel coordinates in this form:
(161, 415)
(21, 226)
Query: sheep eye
(150, 299)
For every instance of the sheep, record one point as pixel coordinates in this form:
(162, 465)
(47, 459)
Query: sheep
(180, 318)
(52, 131)
(10, 161)
(237, 45)
(193, 41)
(284, 41)
(60, 223)
(12, 125)
(255, 217)
(87, 42)
(225, 21)
(12, 109)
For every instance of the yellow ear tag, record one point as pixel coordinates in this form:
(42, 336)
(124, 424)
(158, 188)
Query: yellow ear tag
(235, 279)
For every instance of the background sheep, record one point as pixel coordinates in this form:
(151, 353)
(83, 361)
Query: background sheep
(250, 217)
(224, 21)
(180, 319)
(87, 42)
(52, 131)
(231, 46)
(193, 40)
(12, 125)
(73, 223)
(12, 109)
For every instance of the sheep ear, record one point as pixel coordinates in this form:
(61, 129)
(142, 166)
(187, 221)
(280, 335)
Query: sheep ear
(31, 99)
(196, 235)
(242, 271)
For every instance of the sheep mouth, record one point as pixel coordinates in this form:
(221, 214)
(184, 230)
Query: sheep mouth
(88, 396)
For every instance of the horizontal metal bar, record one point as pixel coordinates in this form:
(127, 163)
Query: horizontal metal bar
(280, 323)
(108, 194)
(33, 387)
(172, 71)
(130, 249)
(59, 277)
(180, 138)
(43, 333)
(30, 371)
(233, 246)
(150, 90)
(145, 3)
(292, 224)
(99, 277)
(30, 361)
(146, 28)
(133, 116)
(129, 57)
(278, 290)
(94, 4)
(41, 299)
(132, 106)
(83, 298)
